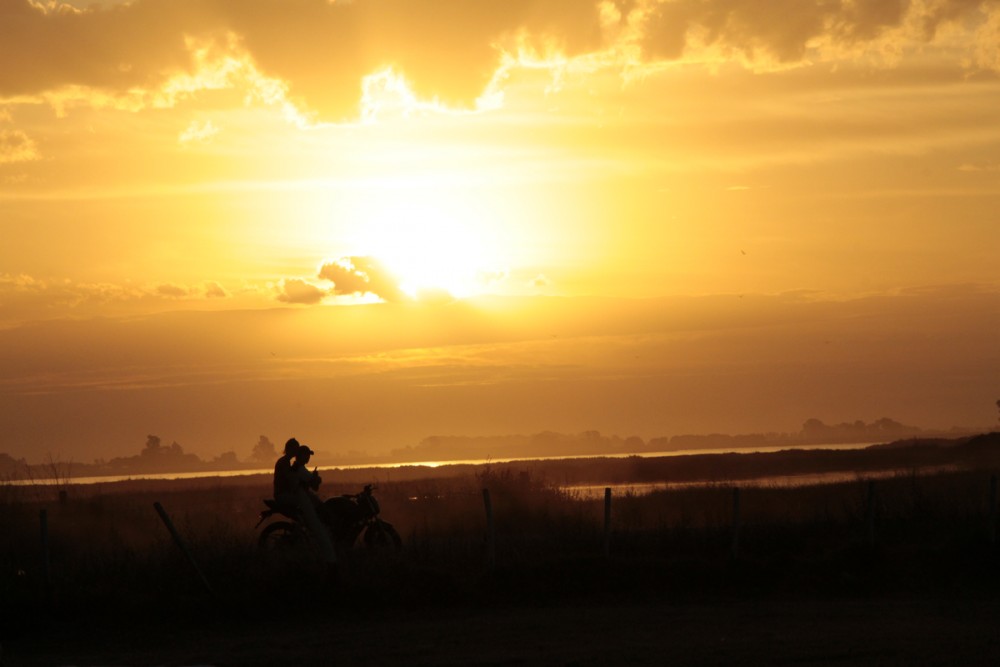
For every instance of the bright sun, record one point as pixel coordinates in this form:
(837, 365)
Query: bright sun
(431, 245)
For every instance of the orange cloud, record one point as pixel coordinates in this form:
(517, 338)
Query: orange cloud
(446, 49)
(16, 146)
(317, 54)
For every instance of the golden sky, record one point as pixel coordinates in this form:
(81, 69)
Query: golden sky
(362, 222)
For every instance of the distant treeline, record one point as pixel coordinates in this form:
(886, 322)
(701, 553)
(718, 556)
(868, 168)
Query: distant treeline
(156, 457)
(592, 443)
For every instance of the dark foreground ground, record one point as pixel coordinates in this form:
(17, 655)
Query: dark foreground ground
(897, 631)
(902, 572)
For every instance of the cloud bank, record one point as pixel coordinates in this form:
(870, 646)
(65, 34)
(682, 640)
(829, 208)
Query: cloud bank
(318, 53)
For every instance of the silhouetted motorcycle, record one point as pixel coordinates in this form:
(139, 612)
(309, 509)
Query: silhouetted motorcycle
(347, 517)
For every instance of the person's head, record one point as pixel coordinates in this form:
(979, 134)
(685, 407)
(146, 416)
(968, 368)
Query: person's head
(303, 454)
(291, 447)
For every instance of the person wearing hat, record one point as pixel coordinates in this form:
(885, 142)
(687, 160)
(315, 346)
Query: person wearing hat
(303, 477)
(309, 506)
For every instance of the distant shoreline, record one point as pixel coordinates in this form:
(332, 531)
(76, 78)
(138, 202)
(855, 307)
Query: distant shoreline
(710, 463)
(110, 477)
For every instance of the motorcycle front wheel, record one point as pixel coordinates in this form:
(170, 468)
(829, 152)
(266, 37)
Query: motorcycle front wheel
(383, 537)
(281, 535)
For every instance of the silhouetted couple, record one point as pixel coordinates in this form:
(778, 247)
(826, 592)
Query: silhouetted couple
(295, 488)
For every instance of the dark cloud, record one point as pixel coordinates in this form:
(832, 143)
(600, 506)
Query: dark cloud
(362, 275)
(783, 29)
(293, 290)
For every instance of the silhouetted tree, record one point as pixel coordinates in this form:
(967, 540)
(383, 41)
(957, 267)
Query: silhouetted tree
(264, 451)
(633, 443)
(152, 447)
(8, 464)
(226, 459)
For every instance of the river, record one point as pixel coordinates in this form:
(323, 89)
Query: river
(637, 488)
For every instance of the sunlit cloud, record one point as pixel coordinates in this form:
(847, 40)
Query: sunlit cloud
(198, 132)
(298, 291)
(775, 33)
(345, 61)
(361, 275)
(16, 146)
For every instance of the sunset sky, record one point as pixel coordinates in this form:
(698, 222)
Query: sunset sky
(364, 222)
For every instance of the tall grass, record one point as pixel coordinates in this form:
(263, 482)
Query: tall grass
(109, 551)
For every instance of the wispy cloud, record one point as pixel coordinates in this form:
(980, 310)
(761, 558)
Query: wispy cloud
(26, 297)
(198, 132)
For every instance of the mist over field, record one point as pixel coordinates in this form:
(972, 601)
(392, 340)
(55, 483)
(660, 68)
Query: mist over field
(372, 379)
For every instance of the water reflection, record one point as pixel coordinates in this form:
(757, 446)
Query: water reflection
(68, 480)
(595, 491)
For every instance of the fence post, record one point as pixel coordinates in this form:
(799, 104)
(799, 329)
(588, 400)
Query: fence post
(182, 545)
(43, 524)
(491, 541)
(607, 522)
(992, 532)
(736, 523)
(870, 515)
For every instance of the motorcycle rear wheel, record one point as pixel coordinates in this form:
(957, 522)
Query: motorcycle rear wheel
(281, 535)
(383, 537)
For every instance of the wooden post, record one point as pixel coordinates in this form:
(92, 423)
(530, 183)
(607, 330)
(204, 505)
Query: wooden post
(182, 545)
(607, 522)
(870, 515)
(43, 523)
(491, 538)
(992, 532)
(736, 523)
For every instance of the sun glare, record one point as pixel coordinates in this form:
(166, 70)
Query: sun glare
(432, 245)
